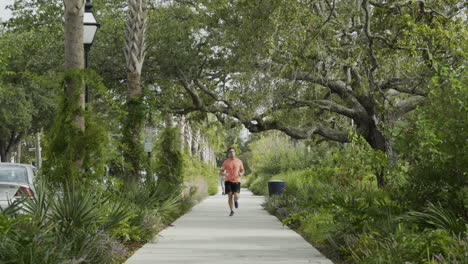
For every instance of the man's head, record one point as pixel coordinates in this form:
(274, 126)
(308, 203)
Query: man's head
(231, 152)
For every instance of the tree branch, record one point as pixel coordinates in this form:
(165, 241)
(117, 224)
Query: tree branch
(398, 84)
(211, 93)
(336, 86)
(326, 105)
(297, 132)
(370, 37)
(405, 3)
(407, 105)
(193, 94)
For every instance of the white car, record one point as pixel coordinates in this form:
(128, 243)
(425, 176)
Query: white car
(16, 181)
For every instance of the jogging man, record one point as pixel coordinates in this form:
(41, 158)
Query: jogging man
(233, 169)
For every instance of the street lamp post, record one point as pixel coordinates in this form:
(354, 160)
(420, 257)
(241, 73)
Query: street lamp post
(90, 26)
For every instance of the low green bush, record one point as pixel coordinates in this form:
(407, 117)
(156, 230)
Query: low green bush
(407, 246)
(197, 170)
(336, 205)
(282, 206)
(62, 227)
(315, 227)
(275, 153)
(259, 184)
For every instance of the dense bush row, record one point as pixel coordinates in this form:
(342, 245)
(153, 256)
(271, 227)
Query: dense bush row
(97, 224)
(332, 198)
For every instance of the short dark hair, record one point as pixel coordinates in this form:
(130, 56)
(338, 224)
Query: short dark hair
(230, 149)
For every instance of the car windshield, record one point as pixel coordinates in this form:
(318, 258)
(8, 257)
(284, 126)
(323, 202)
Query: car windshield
(13, 174)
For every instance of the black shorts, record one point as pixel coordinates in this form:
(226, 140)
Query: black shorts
(232, 187)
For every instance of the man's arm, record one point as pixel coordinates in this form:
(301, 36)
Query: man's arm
(241, 171)
(222, 171)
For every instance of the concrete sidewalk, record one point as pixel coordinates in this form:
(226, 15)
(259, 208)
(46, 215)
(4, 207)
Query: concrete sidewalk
(207, 235)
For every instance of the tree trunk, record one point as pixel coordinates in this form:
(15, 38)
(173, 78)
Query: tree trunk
(195, 142)
(38, 150)
(203, 149)
(6, 148)
(74, 59)
(182, 125)
(377, 141)
(3, 155)
(135, 51)
(133, 126)
(18, 153)
(169, 120)
(188, 138)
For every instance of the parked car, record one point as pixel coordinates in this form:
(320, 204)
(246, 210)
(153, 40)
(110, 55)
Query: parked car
(16, 181)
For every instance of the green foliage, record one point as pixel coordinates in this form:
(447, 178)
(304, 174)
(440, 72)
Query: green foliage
(285, 207)
(57, 228)
(362, 210)
(86, 226)
(170, 161)
(26, 98)
(405, 245)
(65, 144)
(364, 225)
(278, 61)
(27, 94)
(336, 205)
(258, 184)
(200, 173)
(435, 146)
(150, 207)
(357, 164)
(276, 153)
(132, 147)
(437, 216)
(352, 166)
(316, 226)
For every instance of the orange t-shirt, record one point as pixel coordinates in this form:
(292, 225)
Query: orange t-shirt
(232, 168)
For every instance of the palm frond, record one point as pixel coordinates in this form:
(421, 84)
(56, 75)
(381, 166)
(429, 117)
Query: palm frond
(437, 216)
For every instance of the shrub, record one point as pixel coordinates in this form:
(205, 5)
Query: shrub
(437, 216)
(199, 171)
(435, 146)
(407, 246)
(315, 227)
(170, 160)
(277, 153)
(67, 227)
(259, 185)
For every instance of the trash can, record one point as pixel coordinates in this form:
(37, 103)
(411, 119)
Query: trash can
(276, 187)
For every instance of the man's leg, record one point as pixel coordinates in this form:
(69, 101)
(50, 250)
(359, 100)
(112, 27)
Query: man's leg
(228, 188)
(236, 196)
(230, 202)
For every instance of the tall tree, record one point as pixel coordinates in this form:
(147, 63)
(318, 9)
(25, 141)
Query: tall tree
(26, 93)
(74, 60)
(310, 68)
(135, 51)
